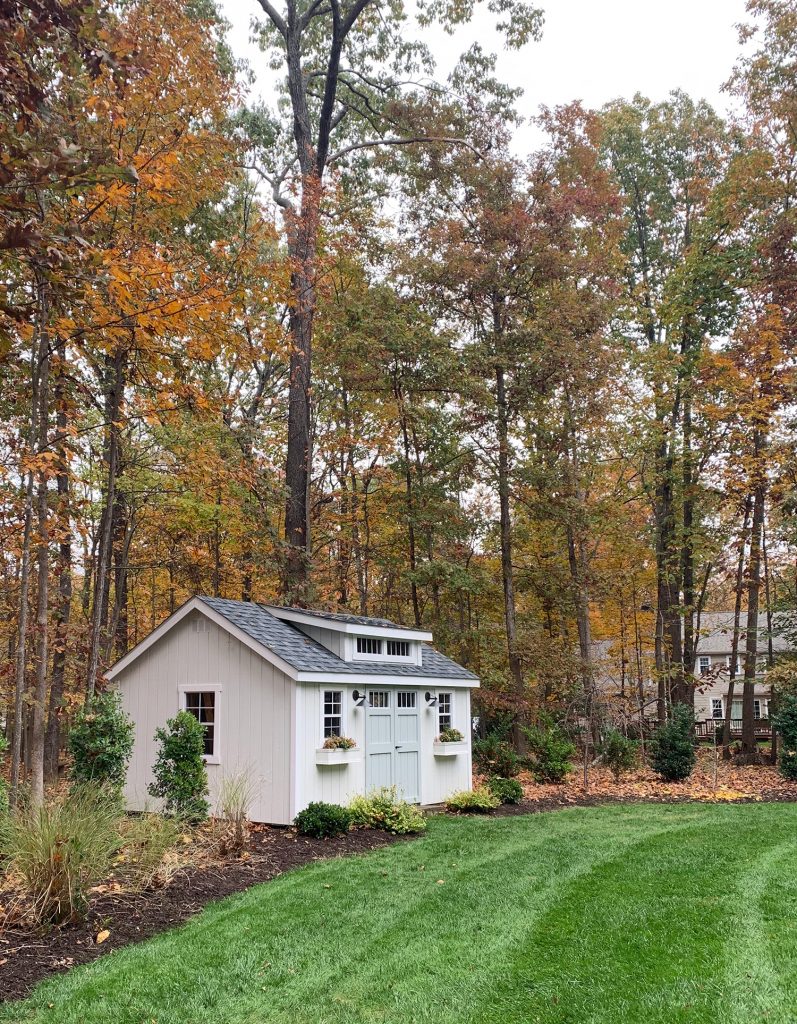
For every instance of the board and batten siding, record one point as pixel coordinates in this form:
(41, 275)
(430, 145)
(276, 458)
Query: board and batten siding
(255, 712)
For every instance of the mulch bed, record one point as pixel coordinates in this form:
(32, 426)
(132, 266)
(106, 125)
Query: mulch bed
(27, 958)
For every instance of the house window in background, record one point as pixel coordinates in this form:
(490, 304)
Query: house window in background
(705, 664)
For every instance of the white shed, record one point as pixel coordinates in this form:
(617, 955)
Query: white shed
(272, 684)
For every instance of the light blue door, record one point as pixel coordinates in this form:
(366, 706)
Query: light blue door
(392, 747)
(407, 762)
(379, 742)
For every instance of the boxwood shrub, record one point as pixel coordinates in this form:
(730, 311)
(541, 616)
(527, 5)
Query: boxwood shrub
(323, 821)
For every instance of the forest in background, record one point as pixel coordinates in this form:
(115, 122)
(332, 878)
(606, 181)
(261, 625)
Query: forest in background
(351, 351)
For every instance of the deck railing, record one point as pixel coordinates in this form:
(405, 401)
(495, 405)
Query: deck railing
(705, 729)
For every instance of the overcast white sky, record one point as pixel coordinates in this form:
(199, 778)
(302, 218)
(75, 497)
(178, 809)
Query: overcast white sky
(592, 50)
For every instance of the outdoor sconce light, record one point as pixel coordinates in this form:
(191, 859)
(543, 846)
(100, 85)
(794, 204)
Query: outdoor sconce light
(358, 698)
(430, 700)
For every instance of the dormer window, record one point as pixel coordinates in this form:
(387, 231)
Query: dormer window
(369, 645)
(398, 648)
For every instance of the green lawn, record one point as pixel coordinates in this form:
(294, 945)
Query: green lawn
(615, 914)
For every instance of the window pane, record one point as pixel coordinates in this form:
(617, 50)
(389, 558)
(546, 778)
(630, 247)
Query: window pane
(405, 699)
(444, 711)
(202, 705)
(398, 648)
(333, 713)
(379, 698)
(368, 645)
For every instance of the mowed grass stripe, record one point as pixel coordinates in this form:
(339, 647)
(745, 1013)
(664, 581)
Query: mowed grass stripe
(613, 914)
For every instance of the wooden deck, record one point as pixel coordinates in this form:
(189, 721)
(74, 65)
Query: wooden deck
(704, 730)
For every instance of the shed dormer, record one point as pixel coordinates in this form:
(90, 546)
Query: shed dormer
(357, 638)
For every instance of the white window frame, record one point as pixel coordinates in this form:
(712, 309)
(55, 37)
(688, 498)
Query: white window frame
(739, 665)
(343, 708)
(721, 716)
(704, 669)
(412, 658)
(216, 689)
(450, 695)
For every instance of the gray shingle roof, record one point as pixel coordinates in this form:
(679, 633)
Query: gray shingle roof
(716, 632)
(353, 620)
(307, 655)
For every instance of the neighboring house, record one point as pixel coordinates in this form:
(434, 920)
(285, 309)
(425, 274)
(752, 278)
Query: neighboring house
(271, 684)
(712, 667)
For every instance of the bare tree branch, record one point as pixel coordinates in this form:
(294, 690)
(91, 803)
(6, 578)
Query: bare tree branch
(275, 17)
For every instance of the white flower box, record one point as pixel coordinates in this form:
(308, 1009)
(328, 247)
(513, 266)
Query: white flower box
(337, 755)
(451, 749)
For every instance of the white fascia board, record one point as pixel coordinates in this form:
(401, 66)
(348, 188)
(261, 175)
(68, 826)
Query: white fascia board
(197, 604)
(308, 619)
(363, 679)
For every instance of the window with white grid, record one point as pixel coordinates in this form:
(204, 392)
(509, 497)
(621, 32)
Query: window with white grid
(333, 713)
(202, 705)
(444, 711)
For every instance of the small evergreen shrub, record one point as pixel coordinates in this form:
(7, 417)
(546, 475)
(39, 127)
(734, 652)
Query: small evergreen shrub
(450, 735)
(619, 753)
(473, 801)
(323, 821)
(672, 746)
(493, 755)
(62, 848)
(383, 809)
(101, 741)
(181, 778)
(508, 791)
(550, 752)
(785, 721)
(339, 743)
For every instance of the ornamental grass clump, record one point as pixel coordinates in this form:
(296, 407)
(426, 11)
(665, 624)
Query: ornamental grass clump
(181, 778)
(237, 792)
(672, 746)
(58, 851)
(384, 809)
(147, 841)
(473, 801)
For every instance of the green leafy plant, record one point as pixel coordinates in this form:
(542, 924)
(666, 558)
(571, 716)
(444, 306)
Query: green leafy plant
(383, 809)
(672, 746)
(493, 755)
(551, 752)
(181, 778)
(101, 741)
(323, 821)
(473, 801)
(450, 735)
(235, 797)
(339, 743)
(508, 791)
(62, 848)
(785, 721)
(147, 839)
(619, 753)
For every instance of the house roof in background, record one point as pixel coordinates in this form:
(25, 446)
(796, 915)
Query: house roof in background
(716, 632)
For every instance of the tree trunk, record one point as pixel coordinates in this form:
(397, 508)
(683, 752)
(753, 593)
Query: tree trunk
(507, 574)
(52, 740)
(302, 247)
(114, 384)
(737, 614)
(749, 753)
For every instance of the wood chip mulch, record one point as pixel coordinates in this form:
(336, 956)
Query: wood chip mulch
(26, 957)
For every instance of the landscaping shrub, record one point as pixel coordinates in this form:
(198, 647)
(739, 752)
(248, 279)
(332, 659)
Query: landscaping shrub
(550, 752)
(339, 743)
(236, 793)
(181, 779)
(473, 801)
(493, 755)
(383, 809)
(101, 741)
(785, 721)
(450, 735)
(672, 746)
(146, 841)
(61, 849)
(619, 753)
(322, 820)
(508, 791)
